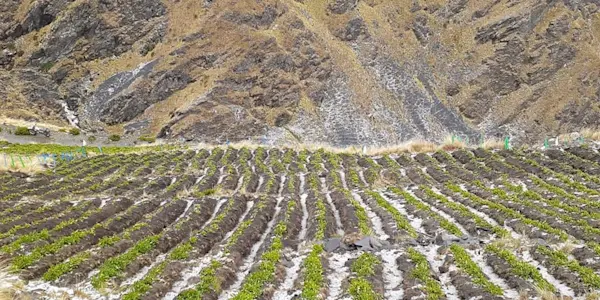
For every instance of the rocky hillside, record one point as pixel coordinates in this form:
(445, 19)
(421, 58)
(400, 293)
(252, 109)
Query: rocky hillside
(336, 71)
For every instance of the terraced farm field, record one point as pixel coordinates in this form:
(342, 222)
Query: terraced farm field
(285, 224)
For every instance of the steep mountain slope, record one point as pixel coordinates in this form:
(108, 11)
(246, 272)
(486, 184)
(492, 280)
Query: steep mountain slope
(337, 71)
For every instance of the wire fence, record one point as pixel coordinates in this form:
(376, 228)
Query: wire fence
(17, 161)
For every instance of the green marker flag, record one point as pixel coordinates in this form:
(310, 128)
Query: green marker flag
(21, 159)
(453, 139)
(12, 161)
(506, 144)
(100, 148)
(546, 143)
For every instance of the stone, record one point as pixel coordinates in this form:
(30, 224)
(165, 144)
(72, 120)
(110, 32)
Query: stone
(364, 244)
(353, 30)
(342, 6)
(332, 244)
(446, 239)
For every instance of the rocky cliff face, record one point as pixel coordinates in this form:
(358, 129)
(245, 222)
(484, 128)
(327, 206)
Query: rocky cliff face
(337, 71)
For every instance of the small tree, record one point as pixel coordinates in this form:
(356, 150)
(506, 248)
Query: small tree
(91, 139)
(114, 137)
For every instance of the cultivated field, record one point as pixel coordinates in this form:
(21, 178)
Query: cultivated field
(261, 224)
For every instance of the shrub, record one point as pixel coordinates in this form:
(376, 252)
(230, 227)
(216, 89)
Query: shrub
(47, 66)
(147, 138)
(74, 131)
(114, 137)
(62, 130)
(91, 139)
(22, 131)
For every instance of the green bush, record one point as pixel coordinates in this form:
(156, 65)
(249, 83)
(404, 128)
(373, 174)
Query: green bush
(74, 131)
(47, 66)
(62, 130)
(114, 137)
(91, 139)
(147, 138)
(22, 131)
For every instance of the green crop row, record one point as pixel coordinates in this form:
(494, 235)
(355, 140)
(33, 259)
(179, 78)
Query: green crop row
(59, 269)
(401, 221)
(321, 208)
(520, 197)
(208, 282)
(446, 224)
(23, 261)
(316, 160)
(258, 162)
(288, 156)
(561, 259)
(116, 265)
(520, 268)
(566, 180)
(302, 160)
(313, 274)
(361, 214)
(464, 211)
(559, 191)
(140, 287)
(422, 272)
(507, 211)
(363, 267)
(255, 282)
(44, 234)
(465, 263)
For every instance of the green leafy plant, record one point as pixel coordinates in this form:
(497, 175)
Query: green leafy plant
(464, 262)
(22, 131)
(74, 131)
(559, 258)
(401, 221)
(423, 273)
(449, 226)
(57, 270)
(521, 268)
(463, 210)
(114, 266)
(147, 139)
(114, 137)
(313, 274)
